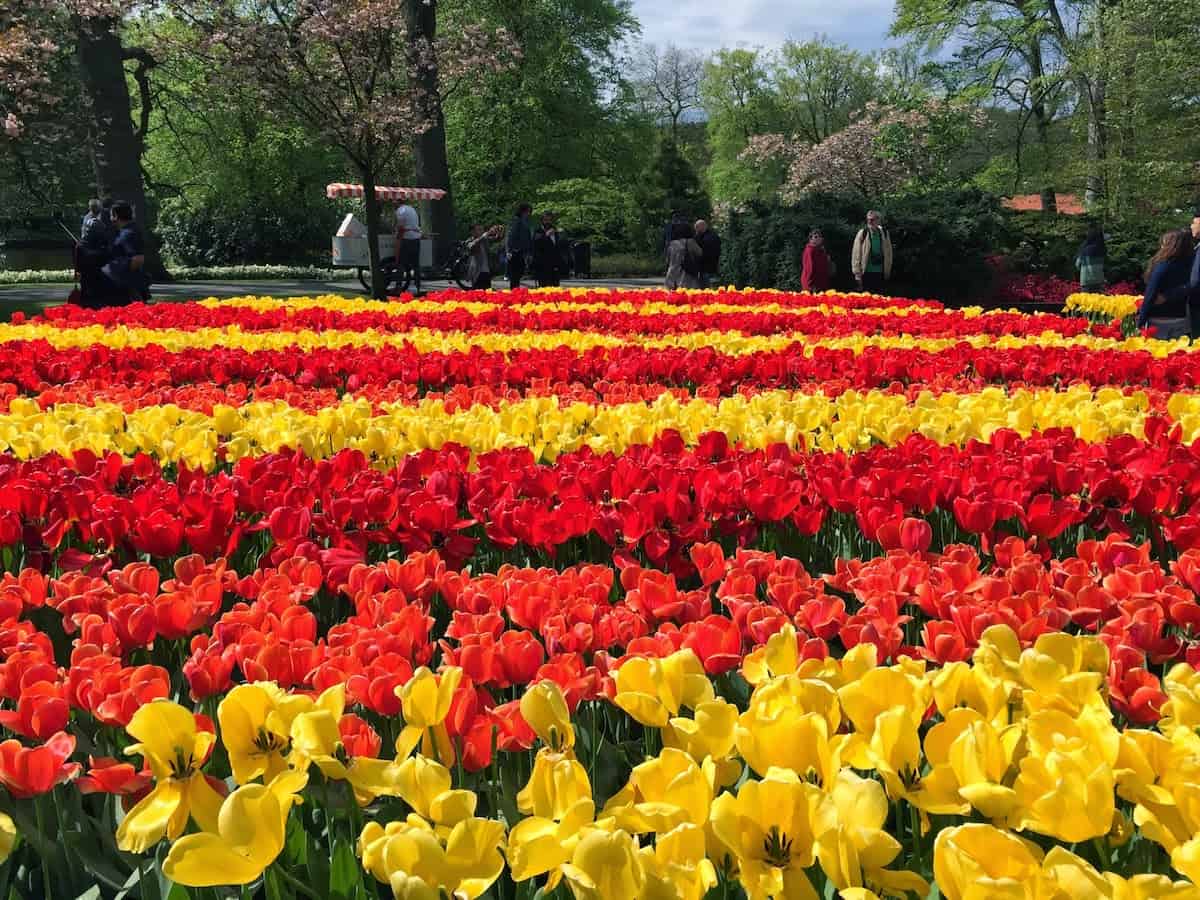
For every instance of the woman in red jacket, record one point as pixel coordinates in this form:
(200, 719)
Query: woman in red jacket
(815, 268)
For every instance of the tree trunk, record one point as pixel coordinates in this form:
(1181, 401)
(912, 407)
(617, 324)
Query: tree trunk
(116, 147)
(1095, 89)
(1041, 124)
(378, 288)
(429, 150)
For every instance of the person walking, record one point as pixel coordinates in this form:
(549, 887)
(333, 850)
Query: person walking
(710, 258)
(92, 254)
(92, 214)
(816, 268)
(871, 257)
(1165, 308)
(684, 259)
(407, 232)
(547, 253)
(126, 266)
(518, 245)
(1089, 261)
(479, 265)
(677, 219)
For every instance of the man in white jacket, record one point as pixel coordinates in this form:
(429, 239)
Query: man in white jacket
(871, 258)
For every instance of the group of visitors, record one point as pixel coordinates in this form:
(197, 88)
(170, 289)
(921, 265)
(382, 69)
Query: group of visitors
(544, 252)
(870, 259)
(110, 256)
(1171, 305)
(693, 253)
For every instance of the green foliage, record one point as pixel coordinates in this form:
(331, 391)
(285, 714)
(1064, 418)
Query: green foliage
(668, 183)
(740, 101)
(941, 240)
(627, 265)
(597, 210)
(1049, 244)
(558, 115)
(225, 231)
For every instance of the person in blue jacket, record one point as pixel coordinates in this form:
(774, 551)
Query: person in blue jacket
(1165, 308)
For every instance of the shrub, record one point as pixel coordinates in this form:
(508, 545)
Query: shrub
(941, 241)
(231, 233)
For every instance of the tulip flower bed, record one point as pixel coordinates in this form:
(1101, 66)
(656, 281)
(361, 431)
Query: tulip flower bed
(597, 595)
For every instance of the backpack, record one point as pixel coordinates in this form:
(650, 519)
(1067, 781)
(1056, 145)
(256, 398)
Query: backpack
(691, 263)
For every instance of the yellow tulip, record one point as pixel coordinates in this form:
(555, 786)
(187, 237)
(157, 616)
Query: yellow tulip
(877, 691)
(982, 758)
(1064, 672)
(779, 656)
(654, 690)
(256, 727)
(662, 793)
(556, 783)
(425, 702)
(959, 684)
(539, 845)
(979, 862)
(8, 836)
(1182, 709)
(317, 740)
(895, 752)
(767, 828)
(792, 723)
(174, 750)
(545, 709)
(1079, 880)
(1066, 793)
(677, 867)
(708, 735)
(426, 786)
(849, 830)
(605, 865)
(417, 864)
(251, 826)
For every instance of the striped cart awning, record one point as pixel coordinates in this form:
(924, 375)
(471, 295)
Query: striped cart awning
(387, 194)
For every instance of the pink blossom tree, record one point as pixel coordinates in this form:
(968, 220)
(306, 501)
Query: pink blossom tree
(351, 70)
(883, 150)
(63, 87)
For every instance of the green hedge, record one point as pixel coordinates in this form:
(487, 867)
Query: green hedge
(941, 242)
(1048, 244)
(196, 273)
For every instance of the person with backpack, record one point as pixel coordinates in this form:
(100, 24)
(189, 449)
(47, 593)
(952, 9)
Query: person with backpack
(871, 258)
(684, 259)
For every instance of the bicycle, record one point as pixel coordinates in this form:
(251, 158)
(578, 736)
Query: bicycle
(454, 269)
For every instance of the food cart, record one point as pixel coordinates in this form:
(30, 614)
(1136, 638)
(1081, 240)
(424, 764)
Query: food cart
(350, 248)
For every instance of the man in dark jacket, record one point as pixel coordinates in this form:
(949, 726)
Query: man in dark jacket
(126, 267)
(548, 253)
(710, 262)
(518, 245)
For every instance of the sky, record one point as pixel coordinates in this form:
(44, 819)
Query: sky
(712, 24)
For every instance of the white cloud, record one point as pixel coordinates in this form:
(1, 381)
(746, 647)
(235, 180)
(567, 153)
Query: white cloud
(863, 24)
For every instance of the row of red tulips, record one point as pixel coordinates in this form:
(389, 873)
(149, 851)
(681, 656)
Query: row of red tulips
(104, 646)
(35, 367)
(502, 320)
(656, 500)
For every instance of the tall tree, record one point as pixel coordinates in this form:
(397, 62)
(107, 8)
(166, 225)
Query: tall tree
(347, 69)
(667, 83)
(561, 112)
(822, 85)
(44, 95)
(741, 101)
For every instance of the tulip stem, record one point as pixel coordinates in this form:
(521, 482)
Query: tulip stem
(295, 883)
(1102, 853)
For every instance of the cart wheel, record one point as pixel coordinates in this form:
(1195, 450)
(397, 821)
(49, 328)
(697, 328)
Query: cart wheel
(459, 271)
(392, 276)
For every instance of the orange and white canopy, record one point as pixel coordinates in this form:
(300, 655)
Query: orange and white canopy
(386, 194)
